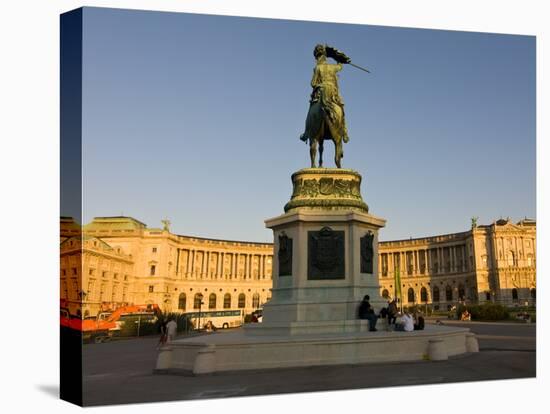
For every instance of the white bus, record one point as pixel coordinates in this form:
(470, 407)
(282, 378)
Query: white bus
(220, 319)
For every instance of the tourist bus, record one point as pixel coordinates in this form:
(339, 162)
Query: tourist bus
(220, 319)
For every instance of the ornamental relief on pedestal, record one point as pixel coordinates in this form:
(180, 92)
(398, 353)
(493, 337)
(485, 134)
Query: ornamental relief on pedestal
(326, 186)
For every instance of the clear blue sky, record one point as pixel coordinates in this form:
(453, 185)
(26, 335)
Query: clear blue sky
(196, 118)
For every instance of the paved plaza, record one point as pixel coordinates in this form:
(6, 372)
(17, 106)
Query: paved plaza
(122, 371)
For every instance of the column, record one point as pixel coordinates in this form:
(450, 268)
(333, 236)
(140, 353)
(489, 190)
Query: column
(455, 267)
(208, 258)
(262, 267)
(416, 262)
(465, 257)
(427, 261)
(222, 265)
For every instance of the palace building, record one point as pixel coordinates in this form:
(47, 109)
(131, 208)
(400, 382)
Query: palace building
(125, 262)
(119, 261)
(495, 262)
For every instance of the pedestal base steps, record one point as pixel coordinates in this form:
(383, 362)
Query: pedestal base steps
(239, 350)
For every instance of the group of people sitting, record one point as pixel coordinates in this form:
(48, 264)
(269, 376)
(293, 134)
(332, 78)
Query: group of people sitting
(398, 321)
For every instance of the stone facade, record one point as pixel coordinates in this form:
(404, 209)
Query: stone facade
(168, 269)
(119, 260)
(94, 275)
(495, 262)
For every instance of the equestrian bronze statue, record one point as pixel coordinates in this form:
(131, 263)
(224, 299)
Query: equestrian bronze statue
(326, 119)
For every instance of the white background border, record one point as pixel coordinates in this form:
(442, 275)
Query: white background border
(29, 171)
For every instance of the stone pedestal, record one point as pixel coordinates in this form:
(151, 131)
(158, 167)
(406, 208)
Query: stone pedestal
(325, 261)
(325, 256)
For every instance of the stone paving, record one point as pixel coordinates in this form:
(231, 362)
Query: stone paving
(121, 372)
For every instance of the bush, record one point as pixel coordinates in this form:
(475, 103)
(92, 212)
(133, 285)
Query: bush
(485, 312)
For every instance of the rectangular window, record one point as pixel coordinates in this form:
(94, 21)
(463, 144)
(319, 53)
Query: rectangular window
(154, 249)
(91, 272)
(74, 271)
(104, 274)
(115, 276)
(153, 270)
(151, 288)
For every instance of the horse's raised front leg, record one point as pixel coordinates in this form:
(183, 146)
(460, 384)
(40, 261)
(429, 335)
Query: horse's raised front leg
(312, 151)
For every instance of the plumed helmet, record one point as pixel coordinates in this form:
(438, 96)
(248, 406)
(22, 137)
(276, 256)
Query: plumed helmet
(319, 50)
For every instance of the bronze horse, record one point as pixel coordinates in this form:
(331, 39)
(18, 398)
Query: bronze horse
(321, 127)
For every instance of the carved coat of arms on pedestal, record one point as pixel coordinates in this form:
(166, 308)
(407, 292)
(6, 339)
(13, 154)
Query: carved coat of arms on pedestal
(326, 257)
(367, 253)
(285, 255)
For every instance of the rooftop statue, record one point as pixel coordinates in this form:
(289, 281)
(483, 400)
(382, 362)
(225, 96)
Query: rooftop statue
(326, 119)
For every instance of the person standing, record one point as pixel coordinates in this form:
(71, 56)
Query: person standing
(367, 312)
(163, 337)
(171, 330)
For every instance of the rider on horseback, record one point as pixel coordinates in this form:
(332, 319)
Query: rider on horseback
(326, 91)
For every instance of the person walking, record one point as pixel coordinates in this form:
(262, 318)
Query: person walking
(163, 337)
(171, 330)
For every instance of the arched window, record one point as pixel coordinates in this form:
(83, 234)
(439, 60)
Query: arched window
(533, 293)
(461, 292)
(212, 301)
(514, 294)
(197, 301)
(242, 300)
(423, 295)
(182, 301)
(436, 294)
(410, 295)
(256, 300)
(448, 293)
(227, 301)
(385, 294)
